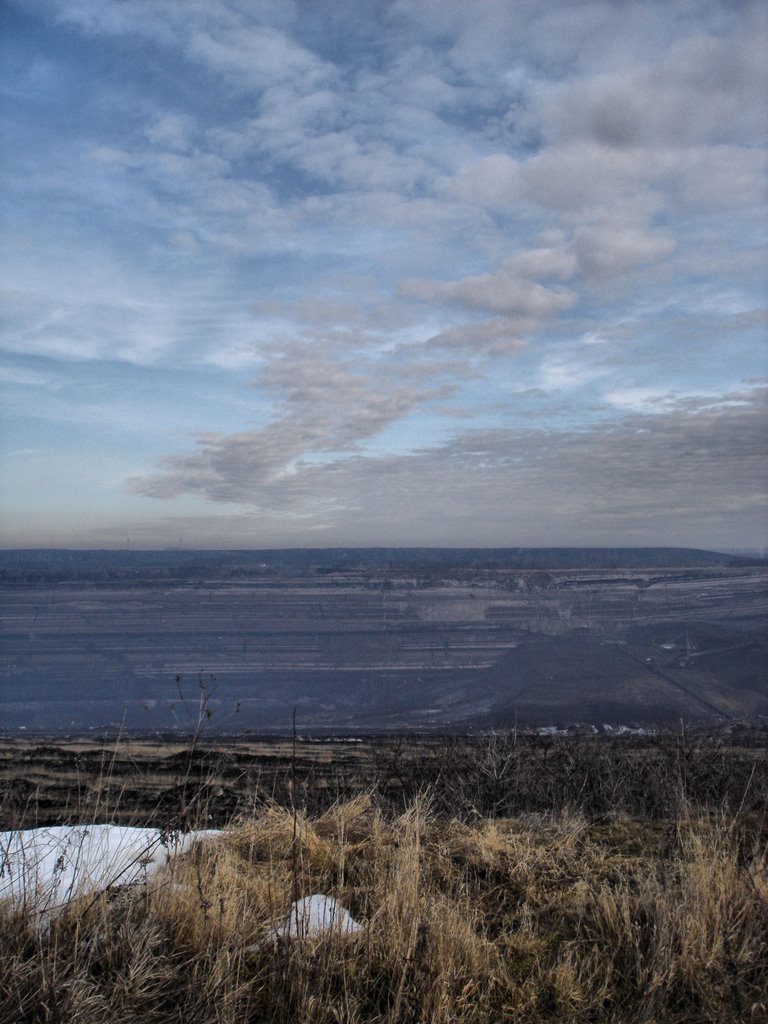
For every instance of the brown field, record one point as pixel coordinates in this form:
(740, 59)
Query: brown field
(210, 781)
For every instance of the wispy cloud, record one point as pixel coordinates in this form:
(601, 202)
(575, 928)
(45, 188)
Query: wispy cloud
(324, 407)
(694, 466)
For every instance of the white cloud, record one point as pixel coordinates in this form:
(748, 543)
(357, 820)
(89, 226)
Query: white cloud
(21, 377)
(559, 373)
(255, 57)
(174, 131)
(617, 245)
(496, 336)
(506, 290)
(494, 181)
(642, 399)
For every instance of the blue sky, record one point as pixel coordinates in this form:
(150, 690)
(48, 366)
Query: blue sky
(399, 273)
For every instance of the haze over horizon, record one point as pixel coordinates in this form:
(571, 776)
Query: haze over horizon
(405, 273)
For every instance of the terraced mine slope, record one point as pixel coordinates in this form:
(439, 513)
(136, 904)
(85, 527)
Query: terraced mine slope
(423, 646)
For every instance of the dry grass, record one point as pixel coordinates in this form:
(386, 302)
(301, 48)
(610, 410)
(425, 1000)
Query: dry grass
(539, 918)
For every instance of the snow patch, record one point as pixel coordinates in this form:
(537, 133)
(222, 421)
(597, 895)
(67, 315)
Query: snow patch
(314, 916)
(45, 868)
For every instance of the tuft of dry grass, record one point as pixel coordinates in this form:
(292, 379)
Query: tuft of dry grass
(537, 918)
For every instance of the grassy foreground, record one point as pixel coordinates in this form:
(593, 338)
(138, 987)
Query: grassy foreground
(542, 917)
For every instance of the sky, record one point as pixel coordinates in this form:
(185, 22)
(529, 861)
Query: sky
(355, 272)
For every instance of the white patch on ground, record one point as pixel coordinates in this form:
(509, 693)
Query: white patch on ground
(45, 868)
(314, 916)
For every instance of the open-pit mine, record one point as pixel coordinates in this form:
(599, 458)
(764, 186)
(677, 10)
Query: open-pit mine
(379, 642)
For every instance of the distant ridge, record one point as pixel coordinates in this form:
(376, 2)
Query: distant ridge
(58, 564)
